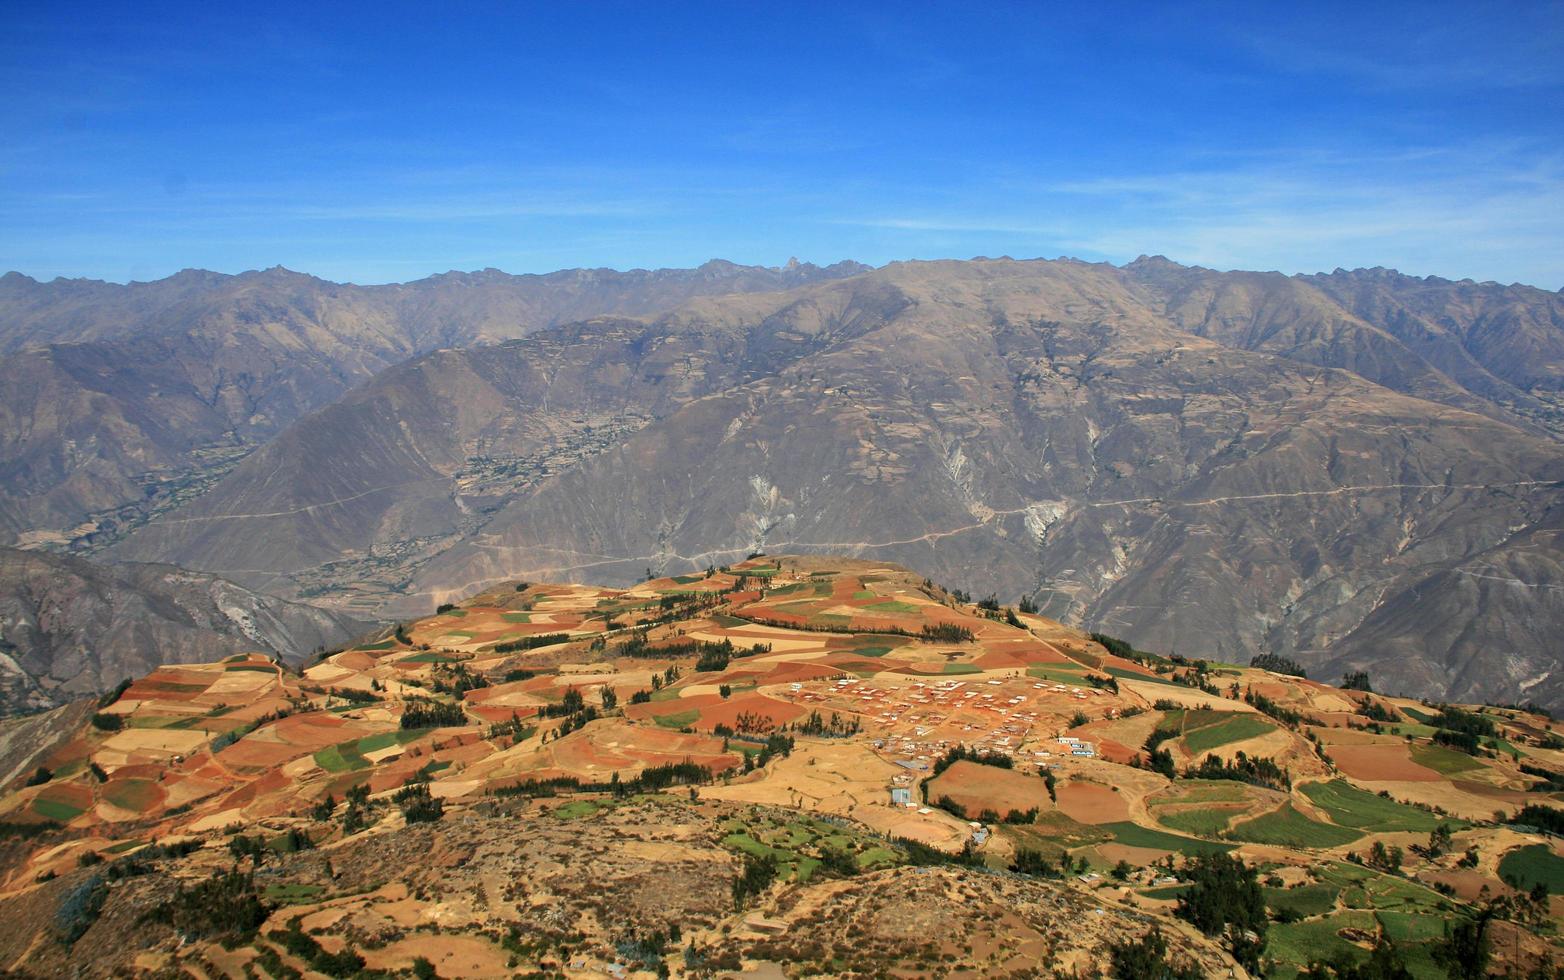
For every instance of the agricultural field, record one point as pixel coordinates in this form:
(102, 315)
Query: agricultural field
(1352, 807)
(777, 726)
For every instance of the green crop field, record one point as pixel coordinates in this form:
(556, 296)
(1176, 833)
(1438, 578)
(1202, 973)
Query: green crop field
(1299, 943)
(1412, 927)
(517, 617)
(56, 809)
(1206, 791)
(332, 758)
(1234, 729)
(797, 844)
(1533, 864)
(1353, 807)
(1133, 676)
(879, 651)
(892, 606)
(678, 719)
(1137, 836)
(1202, 821)
(1447, 762)
(1289, 828)
(575, 810)
(349, 756)
(1306, 900)
(1058, 673)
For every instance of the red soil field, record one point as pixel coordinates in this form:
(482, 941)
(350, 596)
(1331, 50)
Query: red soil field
(137, 795)
(72, 794)
(977, 787)
(502, 712)
(354, 660)
(654, 709)
(1092, 803)
(792, 672)
(1384, 762)
(727, 712)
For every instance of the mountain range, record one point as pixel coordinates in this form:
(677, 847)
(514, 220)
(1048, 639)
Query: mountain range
(1358, 471)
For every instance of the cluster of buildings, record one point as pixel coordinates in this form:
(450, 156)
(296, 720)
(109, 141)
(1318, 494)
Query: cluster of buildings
(924, 720)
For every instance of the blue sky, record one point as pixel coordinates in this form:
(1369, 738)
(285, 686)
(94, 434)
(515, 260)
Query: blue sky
(386, 142)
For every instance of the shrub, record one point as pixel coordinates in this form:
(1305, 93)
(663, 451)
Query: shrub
(225, 907)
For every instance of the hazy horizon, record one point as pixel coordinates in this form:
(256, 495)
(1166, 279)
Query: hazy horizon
(775, 265)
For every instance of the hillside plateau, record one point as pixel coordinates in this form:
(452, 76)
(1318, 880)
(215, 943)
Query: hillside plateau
(786, 766)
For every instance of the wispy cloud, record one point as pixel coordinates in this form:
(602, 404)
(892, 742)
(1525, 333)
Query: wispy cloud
(1486, 211)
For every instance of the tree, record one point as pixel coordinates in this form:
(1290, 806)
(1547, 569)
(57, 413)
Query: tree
(1356, 680)
(418, 804)
(757, 876)
(1147, 959)
(1382, 858)
(1028, 862)
(1277, 663)
(1465, 950)
(1224, 898)
(423, 969)
(610, 699)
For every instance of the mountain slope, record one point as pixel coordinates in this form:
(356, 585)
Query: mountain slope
(117, 402)
(70, 628)
(1033, 428)
(431, 448)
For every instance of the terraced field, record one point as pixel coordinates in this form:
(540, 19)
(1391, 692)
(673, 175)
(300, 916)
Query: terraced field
(819, 707)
